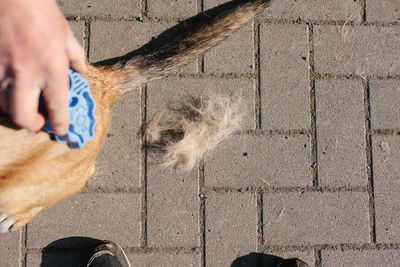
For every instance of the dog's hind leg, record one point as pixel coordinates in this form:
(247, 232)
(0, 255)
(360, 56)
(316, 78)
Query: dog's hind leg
(20, 203)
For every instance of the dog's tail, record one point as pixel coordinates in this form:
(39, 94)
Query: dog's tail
(185, 42)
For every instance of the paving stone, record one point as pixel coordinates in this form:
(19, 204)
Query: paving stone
(114, 216)
(383, 11)
(114, 39)
(172, 206)
(386, 157)
(274, 161)
(385, 106)
(172, 8)
(62, 259)
(314, 10)
(307, 10)
(116, 8)
(118, 164)
(231, 227)
(312, 218)
(365, 258)
(9, 249)
(78, 28)
(285, 86)
(169, 93)
(164, 259)
(341, 133)
(234, 55)
(361, 50)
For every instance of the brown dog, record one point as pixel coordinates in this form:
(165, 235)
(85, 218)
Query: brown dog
(36, 171)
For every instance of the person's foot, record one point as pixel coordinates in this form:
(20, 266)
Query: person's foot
(292, 263)
(105, 254)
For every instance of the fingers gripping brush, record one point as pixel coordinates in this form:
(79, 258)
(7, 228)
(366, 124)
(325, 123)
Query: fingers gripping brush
(80, 111)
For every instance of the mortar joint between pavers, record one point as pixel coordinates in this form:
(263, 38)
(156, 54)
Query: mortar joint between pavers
(331, 76)
(86, 39)
(260, 222)
(257, 71)
(202, 75)
(167, 250)
(258, 189)
(143, 174)
(23, 241)
(327, 246)
(317, 257)
(114, 190)
(363, 10)
(384, 132)
(143, 10)
(202, 211)
(313, 111)
(200, 6)
(200, 65)
(326, 22)
(274, 132)
(369, 167)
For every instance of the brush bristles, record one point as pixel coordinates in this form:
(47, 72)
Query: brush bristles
(186, 134)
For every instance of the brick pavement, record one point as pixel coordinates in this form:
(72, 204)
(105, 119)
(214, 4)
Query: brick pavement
(313, 175)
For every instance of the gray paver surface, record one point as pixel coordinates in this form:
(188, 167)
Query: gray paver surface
(314, 174)
(361, 257)
(341, 132)
(284, 71)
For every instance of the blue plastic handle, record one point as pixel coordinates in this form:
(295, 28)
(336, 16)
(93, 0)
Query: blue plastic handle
(80, 111)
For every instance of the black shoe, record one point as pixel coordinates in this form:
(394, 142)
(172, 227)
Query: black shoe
(105, 254)
(293, 263)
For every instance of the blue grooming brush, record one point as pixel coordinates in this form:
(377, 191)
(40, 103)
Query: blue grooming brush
(80, 111)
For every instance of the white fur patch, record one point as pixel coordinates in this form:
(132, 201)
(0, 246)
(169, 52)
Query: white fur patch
(6, 223)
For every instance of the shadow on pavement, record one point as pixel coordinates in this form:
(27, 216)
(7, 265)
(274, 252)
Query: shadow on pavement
(65, 252)
(257, 260)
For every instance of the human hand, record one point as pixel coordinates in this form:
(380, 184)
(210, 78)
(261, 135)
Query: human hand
(37, 47)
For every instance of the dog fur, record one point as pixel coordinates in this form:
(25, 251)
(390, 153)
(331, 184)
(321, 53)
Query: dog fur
(184, 135)
(36, 171)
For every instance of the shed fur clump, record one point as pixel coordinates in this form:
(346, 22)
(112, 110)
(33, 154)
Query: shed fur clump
(185, 134)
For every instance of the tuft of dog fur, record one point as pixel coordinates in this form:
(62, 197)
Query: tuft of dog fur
(185, 134)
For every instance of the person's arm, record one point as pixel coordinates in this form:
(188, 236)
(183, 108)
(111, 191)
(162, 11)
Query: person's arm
(37, 47)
